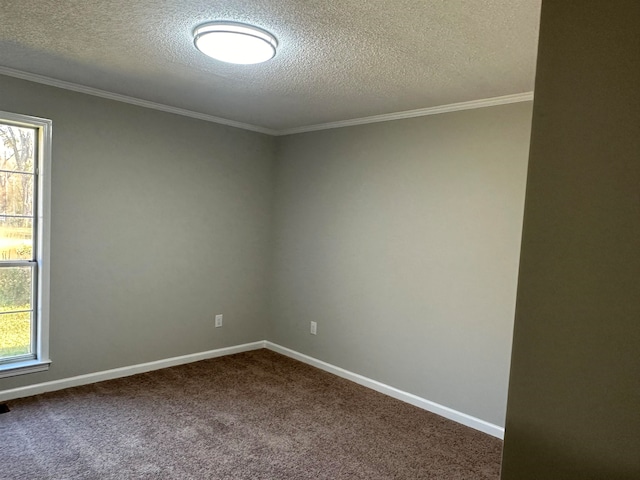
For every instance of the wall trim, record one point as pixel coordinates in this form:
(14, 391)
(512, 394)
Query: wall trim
(433, 407)
(52, 82)
(95, 377)
(421, 112)
(446, 412)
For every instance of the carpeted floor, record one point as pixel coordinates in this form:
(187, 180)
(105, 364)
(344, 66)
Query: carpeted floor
(254, 415)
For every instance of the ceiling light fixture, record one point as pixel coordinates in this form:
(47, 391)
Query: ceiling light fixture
(235, 42)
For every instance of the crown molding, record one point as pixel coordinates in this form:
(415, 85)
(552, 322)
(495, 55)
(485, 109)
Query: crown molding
(421, 112)
(131, 100)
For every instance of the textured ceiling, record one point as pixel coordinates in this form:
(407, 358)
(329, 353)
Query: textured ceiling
(337, 59)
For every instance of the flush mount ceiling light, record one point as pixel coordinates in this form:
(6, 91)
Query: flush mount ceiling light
(235, 42)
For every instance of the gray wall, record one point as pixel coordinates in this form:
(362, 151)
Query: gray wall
(574, 395)
(401, 239)
(158, 222)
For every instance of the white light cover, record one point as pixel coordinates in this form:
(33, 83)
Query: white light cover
(235, 42)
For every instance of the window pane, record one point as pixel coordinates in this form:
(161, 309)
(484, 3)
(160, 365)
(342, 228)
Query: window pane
(15, 334)
(17, 148)
(16, 193)
(16, 238)
(15, 288)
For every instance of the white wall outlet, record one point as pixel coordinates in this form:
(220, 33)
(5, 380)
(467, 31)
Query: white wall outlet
(314, 328)
(218, 320)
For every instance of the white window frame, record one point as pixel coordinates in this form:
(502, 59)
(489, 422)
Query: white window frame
(43, 168)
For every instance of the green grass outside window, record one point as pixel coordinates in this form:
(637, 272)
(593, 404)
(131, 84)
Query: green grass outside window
(15, 333)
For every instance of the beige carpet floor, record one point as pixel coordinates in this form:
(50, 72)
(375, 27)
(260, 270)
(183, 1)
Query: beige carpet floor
(254, 415)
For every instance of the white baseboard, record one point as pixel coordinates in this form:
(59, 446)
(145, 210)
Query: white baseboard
(54, 385)
(451, 414)
(410, 398)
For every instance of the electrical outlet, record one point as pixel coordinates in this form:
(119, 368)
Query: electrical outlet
(314, 328)
(218, 320)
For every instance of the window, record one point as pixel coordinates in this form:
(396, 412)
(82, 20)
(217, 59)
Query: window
(25, 152)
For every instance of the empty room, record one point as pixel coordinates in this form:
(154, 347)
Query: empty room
(319, 240)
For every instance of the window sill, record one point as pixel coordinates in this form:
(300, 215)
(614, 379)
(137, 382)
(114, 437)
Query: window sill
(22, 368)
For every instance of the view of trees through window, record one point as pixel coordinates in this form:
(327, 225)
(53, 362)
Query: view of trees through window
(17, 223)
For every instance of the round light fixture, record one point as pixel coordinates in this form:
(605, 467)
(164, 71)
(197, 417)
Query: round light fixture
(235, 42)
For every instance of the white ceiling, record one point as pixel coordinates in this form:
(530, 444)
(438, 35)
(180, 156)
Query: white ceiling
(337, 59)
